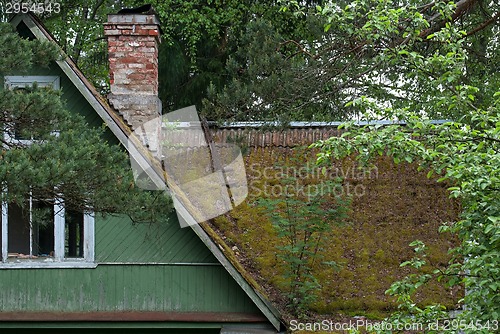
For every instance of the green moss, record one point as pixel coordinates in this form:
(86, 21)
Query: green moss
(379, 255)
(398, 205)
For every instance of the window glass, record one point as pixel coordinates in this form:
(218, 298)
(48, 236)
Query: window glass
(18, 231)
(31, 230)
(73, 244)
(43, 229)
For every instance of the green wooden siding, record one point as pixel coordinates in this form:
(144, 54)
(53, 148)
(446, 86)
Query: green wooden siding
(141, 267)
(169, 288)
(118, 240)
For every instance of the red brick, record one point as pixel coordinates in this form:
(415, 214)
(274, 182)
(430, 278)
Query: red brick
(146, 50)
(145, 39)
(112, 32)
(123, 49)
(136, 66)
(136, 76)
(138, 54)
(117, 66)
(116, 55)
(113, 42)
(127, 60)
(141, 32)
(133, 62)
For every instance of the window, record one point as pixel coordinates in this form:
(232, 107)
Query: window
(41, 232)
(16, 82)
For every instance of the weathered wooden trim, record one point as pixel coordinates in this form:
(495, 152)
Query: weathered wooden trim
(30, 264)
(242, 329)
(306, 125)
(5, 236)
(21, 81)
(114, 325)
(173, 264)
(89, 237)
(131, 316)
(59, 225)
(31, 223)
(59, 261)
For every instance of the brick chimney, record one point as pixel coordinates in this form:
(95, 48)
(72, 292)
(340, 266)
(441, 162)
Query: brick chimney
(133, 40)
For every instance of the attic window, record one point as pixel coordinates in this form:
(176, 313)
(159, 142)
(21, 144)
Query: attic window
(42, 233)
(16, 82)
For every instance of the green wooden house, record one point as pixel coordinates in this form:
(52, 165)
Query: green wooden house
(161, 277)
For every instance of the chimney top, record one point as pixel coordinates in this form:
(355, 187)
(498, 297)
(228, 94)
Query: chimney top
(133, 36)
(133, 18)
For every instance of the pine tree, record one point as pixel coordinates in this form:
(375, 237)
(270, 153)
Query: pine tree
(65, 156)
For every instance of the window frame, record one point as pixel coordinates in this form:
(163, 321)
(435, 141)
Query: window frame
(59, 260)
(21, 81)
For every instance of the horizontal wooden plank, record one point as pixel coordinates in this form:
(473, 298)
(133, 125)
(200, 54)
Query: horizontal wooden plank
(133, 316)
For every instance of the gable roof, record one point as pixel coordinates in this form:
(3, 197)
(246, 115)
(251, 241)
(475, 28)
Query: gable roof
(152, 167)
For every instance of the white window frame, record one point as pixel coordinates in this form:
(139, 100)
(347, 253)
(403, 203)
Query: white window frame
(21, 81)
(58, 261)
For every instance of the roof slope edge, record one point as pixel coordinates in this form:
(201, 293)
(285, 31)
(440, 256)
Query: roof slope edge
(152, 167)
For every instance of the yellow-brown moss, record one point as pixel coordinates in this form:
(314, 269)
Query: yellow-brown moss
(398, 205)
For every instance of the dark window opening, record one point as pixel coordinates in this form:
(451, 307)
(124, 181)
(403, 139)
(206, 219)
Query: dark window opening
(43, 229)
(31, 234)
(73, 243)
(18, 231)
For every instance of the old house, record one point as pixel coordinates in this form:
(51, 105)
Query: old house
(110, 273)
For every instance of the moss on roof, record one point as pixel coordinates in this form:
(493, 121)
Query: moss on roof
(391, 206)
